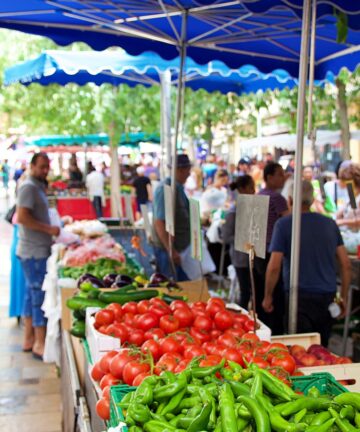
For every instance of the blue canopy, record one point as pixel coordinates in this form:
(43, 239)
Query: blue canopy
(264, 33)
(62, 67)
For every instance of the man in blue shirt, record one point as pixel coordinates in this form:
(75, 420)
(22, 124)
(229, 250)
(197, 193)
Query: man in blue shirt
(321, 244)
(182, 223)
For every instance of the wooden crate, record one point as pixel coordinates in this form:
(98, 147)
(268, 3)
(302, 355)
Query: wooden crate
(304, 339)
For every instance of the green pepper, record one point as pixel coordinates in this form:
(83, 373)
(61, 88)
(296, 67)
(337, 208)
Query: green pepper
(275, 386)
(139, 413)
(161, 406)
(242, 411)
(343, 424)
(218, 427)
(227, 408)
(357, 419)
(323, 427)
(314, 392)
(300, 415)
(320, 418)
(174, 402)
(168, 377)
(352, 399)
(227, 374)
(158, 426)
(135, 428)
(171, 389)
(235, 367)
(126, 400)
(347, 412)
(258, 412)
(241, 423)
(201, 421)
(307, 402)
(158, 417)
(239, 389)
(188, 402)
(257, 387)
(206, 397)
(201, 372)
(144, 393)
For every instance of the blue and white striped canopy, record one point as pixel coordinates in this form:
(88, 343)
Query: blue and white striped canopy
(63, 67)
(263, 33)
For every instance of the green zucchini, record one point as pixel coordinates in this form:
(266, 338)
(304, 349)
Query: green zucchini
(76, 303)
(122, 298)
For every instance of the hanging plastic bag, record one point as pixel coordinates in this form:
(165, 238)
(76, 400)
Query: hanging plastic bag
(197, 269)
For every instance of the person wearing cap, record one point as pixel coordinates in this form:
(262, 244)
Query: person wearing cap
(321, 244)
(243, 166)
(142, 185)
(182, 223)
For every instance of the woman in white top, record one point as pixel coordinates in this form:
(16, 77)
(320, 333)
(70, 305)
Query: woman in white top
(95, 188)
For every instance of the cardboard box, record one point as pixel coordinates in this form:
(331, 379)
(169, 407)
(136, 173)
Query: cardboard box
(66, 315)
(263, 332)
(99, 344)
(194, 290)
(79, 355)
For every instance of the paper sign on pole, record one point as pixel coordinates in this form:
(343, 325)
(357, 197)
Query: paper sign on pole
(195, 227)
(169, 210)
(128, 208)
(147, 226)
(251, 223)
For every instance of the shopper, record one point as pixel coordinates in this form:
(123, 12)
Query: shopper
(143, 189)
(95, 188)
(350, 217)
(240, 260)
(35, 239)
(320, 245)
(274, 178)
(182, 223)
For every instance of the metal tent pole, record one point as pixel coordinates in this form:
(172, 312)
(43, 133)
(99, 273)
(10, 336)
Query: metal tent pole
(311, 129)
(165, 113)
(296, 223)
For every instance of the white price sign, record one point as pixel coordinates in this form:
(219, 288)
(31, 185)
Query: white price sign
(195, 227)
(169, 210)
(147, 225)
(251, 223)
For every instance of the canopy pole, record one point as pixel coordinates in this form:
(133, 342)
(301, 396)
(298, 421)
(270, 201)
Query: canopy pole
(311, 128)
(165, 117)
(296, 223)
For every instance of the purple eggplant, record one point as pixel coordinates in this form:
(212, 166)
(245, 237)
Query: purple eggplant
(158, 279)
(95, 282)
(109, 279)
(84, 278)
(124, 279)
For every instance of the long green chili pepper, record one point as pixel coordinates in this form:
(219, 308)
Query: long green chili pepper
(144, 393)
(347, 412)
(276, 387)
(306, 402)
(241, 423)
(174, 402)
(168, 377)
(352, 399)
(343, 424)
(158, 417)
(171, 389)
(139, 413)
(320, 418)
(218, 427)
(300, 415)
(357, 419)
(235, 367)
(158, 426)
(242, 411)
(258, 412)
(239, 389)
(323, 427)
(227, 374)
(206, 397)
(126, 400)
(135, 429)
(202, 372)
(314, 392)
(201, 421)
(257, 386)
(227, 408)
(188, 403)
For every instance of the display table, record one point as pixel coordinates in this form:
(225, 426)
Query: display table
(81, 208)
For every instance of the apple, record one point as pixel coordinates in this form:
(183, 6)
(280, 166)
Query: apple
(308, 359)
(297, 350)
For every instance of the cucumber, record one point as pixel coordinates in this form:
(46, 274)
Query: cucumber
(79, 314)
(78, 329)
(93, 294)
(122, 298)
(76, 303)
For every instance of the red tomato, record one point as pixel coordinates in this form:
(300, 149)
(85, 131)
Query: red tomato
(200, 335)
(143, 306)
(199, 304)
(166, 362)
(240, 319)
(136, 337)
(158, 301)
(132, 369)
(214, 357)
(285, 361)
(182, 365)
(160, 309)
(249, 325)
(106, 393)
(214, 305)
(169, 345)
(104, 317)
(212, 360)
(260, 361)
(227, 339)
(152, 347)
(223, 320)
(234, 355)
(178, 304)
(117, 309)
(262, 347)
(192, 351)
(103, 409)
(130, 307)
(105, 360)
(237, 332)
(96, 372)
(118, 330)
(203, 323)
(140, 378)
(275, 349)
(108, 380)
(209, 347)
(251, 337)
(119, 361)
(184, 315)
(154, 333)
(102, 329)
(129, 319)
(215, 333)
(169, 323)
(147, 321)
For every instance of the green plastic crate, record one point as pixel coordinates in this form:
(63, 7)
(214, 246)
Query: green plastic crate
(324, 382)
(116, 395)
(87, 351)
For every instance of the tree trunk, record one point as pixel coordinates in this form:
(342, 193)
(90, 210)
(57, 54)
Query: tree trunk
(115, 196)
(344, 121)
(208, 134)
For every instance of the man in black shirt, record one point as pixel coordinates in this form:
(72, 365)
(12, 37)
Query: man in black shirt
(142, 185)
